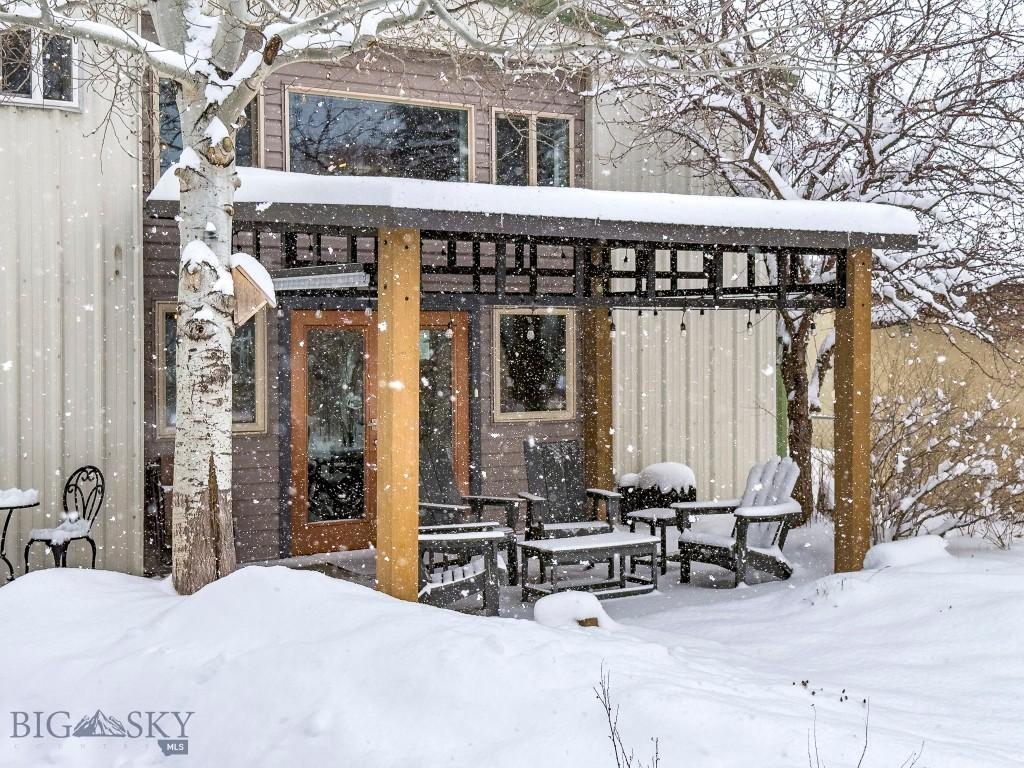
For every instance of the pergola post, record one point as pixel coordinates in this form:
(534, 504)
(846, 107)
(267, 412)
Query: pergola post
(398, 409)
(852, 425)
(596, 400)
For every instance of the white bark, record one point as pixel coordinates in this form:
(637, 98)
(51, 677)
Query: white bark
(202, 520)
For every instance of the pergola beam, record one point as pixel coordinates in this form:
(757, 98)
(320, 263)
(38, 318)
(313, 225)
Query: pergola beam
(852, 425)
(398, 435)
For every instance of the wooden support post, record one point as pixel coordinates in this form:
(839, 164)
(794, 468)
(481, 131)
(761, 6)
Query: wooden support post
(398, 389)
(852, 436)
(596, 399)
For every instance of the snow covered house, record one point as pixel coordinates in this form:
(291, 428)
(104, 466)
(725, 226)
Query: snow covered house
(70, 292)
(393, 208)
(526, 354)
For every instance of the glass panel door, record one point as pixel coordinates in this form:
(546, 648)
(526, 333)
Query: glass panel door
(333, 446)
(444, 384)
(333, 419)
(335, 424)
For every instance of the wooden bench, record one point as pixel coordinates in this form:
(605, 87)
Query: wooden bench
(614, 548)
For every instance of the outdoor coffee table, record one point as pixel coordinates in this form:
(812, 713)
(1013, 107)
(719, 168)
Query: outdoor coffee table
(657, 519)
(3, 537)
(615, 548)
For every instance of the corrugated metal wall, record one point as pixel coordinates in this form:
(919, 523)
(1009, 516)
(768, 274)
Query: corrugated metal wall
(70, 325)
(706, 398)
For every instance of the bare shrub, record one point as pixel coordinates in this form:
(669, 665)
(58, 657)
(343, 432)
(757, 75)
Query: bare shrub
(945, 455)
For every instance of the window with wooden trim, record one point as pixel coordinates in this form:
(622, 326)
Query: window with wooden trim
(534, 365)
(248, 366)
(168, 129)
(362, 136)
(533, 149)
(37, 69)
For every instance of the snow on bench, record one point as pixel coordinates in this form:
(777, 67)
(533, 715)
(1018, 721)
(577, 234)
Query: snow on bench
(583, 543)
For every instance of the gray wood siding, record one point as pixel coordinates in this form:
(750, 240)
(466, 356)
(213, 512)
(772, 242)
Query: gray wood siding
(420, 76)
(501, 442)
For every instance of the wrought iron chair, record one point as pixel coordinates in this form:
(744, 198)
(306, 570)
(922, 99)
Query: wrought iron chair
(559, 504)
(83, 497)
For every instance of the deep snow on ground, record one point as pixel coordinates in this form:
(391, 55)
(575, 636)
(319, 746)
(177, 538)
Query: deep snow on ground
(289, 668)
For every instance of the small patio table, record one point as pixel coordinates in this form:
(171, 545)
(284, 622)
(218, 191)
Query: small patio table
(3, 537)
(657, 519)
(577, 550)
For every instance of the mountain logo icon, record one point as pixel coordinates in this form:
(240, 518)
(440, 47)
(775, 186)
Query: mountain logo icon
(99, 724)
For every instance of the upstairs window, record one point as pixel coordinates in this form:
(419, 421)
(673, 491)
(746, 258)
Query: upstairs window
(37, 69)
(347, 136)
(533, 150)
(169, 129)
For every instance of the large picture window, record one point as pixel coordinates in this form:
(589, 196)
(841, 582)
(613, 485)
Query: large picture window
(169, 129)
(37, 69)
(248, 366)
(349, 136)
(533, 150)
(534, 365)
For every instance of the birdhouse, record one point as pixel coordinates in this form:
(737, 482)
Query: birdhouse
(250, 291)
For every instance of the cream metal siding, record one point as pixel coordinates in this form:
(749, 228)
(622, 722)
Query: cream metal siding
(70, 320)
(706, 398)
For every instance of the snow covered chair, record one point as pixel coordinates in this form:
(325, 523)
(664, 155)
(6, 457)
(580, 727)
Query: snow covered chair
(763, 515)
(442, 505)
(656, 487)
(469, 565)
(559, 504)
(83, 497)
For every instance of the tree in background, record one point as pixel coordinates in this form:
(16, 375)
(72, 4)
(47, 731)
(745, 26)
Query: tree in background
(218, 53)
(914, 103)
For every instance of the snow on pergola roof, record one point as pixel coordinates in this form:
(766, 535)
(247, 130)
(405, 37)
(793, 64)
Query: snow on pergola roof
(369, 201)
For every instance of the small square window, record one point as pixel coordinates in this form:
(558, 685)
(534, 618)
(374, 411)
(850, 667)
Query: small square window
(534, 367)
(248, 367)
(37, 69)
(532, 150)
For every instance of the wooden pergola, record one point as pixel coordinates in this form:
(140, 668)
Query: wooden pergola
(412, 245)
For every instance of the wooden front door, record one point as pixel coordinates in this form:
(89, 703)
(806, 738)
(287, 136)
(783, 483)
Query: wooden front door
(334, 419)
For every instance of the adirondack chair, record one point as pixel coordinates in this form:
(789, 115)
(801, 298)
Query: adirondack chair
(468, 565)
(558, 503)
(763, 515)
(443, 506)
(442, 502)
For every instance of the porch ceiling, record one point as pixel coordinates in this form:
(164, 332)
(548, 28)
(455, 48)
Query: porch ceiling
(283, 198)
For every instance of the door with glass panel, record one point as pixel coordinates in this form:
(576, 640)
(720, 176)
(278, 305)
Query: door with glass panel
(333, 419)
(334, 438)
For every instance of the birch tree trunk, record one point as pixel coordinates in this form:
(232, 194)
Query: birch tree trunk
(203, 548)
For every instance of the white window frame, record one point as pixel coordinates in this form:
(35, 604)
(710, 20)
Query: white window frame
(497, 112)
(569, 414)
(164, 430)
(36, 99)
